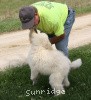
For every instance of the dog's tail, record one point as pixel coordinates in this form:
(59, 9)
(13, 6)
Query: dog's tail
(76, 64)
(17, 62)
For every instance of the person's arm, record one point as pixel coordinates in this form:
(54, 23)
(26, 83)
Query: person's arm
(56, 39)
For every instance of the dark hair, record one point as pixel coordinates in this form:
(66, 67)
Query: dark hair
(36, 11)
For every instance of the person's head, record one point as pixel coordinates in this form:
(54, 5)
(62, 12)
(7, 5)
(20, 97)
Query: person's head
(29, 17)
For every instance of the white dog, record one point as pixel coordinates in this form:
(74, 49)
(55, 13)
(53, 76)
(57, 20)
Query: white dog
(45, 60)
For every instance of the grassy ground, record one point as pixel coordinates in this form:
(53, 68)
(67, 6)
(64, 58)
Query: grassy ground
(16, 81)
(9, 9)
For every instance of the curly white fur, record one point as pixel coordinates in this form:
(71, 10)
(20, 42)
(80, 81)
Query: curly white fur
(45, 60)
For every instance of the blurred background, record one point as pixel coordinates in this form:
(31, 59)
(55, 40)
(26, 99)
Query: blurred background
(9, 9)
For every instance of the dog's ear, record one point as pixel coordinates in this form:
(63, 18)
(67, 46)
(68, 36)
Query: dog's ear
(32, 32)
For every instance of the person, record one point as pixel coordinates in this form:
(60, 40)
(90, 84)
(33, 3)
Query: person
(55, 19)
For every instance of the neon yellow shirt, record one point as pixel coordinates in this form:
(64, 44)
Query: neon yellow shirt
(52, 17)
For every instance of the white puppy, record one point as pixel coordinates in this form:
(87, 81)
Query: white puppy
(45, 60)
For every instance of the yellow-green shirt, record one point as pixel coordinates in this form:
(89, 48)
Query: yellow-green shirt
(52, 17)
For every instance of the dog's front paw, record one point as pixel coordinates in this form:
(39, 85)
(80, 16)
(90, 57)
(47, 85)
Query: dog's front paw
(66, 84)
(34, 82)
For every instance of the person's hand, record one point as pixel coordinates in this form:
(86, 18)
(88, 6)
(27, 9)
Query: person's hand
(56, 39)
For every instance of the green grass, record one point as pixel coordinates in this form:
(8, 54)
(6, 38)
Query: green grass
(9, 9)
(15, 82)
(9, 25)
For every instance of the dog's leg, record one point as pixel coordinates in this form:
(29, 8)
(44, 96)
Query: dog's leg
(34, 75)
(66, 82)
(55, 81)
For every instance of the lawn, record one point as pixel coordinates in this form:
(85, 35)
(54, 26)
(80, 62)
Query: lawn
(15, 83)
(9, 9)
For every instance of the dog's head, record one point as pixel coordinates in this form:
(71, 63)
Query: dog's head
(39, 39)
